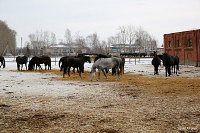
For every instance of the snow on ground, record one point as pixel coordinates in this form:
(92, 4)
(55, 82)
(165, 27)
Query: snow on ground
(43, 85)
(36, 102)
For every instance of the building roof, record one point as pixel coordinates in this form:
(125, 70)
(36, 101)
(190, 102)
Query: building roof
(182, 31)
(65, 46)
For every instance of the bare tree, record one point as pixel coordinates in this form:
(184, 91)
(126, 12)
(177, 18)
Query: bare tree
(40, 40)
(122, 34)
(68, 36)
(80, 40)
(53, 39)
(7, 39)
(93, 42)
(139, 38)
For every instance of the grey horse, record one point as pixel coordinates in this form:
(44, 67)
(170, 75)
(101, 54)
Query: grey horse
(104, 64)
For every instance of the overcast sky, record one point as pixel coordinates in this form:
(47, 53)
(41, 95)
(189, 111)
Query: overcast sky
(158, 17)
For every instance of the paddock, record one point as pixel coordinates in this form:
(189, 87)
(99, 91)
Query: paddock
(44, 101)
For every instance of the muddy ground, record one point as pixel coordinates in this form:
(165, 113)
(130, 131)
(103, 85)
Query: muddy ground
(135, 103)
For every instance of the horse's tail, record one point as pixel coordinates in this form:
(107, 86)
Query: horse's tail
(50, 64)
(31, 64)
(59, 62)
(4, 64)
(178, 64)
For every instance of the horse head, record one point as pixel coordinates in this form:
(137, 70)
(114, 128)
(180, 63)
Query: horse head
(87, 59)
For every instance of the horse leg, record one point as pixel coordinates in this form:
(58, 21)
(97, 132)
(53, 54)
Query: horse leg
(17, 66)
(176, 69)
(113, 71)
(118, 73)
(83, 69)
(99, 74)
(40, 67)
(107, 70)
(64, 71)
(169, 71)
(69, 71)
(74, 70)
(105, 74)
(166, 71)
(79, 72)
(156, 69)
(123, 68)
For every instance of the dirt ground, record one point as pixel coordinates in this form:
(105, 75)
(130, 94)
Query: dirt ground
(135, 103)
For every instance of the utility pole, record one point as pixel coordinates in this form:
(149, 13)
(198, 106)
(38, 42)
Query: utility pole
(21, 46)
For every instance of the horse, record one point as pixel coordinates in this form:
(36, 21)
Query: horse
(103, 64)
(75, 62)
(20, 61)
(101, 56)
(121, 66)
(175, 66)
(109, 56)
(168, 62)
(155, 62)
(36, 61)
(60, 64)
(2, 60)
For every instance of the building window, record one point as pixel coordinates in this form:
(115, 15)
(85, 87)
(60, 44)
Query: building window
(178, 44)
(169, 44)
(189, 42)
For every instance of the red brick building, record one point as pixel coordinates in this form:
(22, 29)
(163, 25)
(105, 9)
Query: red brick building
(186, 45)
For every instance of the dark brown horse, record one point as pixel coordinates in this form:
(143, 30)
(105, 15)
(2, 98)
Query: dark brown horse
(156, 63)
(75, 62)
(2, 60)
(175, 66)
(168, 62)
(36, 61)
(20, 61)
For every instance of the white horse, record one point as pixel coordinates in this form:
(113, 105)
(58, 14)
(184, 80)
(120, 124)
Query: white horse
(106, 63)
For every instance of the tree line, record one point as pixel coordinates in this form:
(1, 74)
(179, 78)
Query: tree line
(40, 40)
(124, 35)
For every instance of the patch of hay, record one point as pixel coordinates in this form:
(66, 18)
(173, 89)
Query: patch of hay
(170, 86)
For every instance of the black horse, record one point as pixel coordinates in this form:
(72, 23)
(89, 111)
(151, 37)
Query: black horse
(175, 66)
(168, 62)
(60, 64)
(2, 60)
(36, 61)
(20, 61)
(75, 62)
(101, 56)
(155, 62)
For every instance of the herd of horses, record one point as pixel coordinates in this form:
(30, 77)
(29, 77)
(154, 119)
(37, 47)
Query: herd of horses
(170, 63)
(33, 63)
(101, 62)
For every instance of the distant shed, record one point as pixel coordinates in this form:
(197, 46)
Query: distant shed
(186, 45)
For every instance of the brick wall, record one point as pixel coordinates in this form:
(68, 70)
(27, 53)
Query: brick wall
(186, 45)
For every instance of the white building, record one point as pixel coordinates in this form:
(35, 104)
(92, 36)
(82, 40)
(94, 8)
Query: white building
(65, 50)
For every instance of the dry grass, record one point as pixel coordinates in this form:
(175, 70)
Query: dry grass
(140, 104)
(155, 85)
